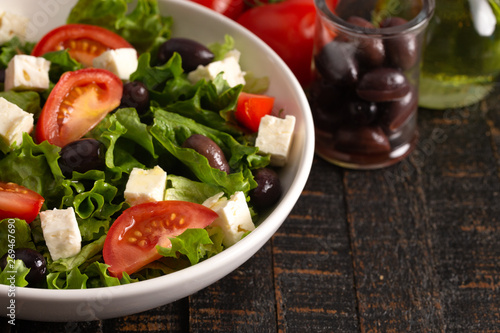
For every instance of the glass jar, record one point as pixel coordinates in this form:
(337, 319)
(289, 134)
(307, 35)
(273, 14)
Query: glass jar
(462, 54)
(364, 96)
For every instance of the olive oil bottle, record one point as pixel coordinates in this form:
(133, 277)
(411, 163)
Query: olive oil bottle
(461, 60)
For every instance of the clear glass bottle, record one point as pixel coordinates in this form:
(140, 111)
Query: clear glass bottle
(461, 60)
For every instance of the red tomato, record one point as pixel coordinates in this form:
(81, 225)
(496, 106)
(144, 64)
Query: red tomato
(132, 239)
(78, 102)
(18, 201)
(251, 108)
(85, 42)
(229, 8)
(288, 28)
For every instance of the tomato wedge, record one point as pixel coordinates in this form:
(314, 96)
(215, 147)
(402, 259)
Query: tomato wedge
(84, 42)
(132, 239)
(17, 201)
(78, 102)
(251, 108)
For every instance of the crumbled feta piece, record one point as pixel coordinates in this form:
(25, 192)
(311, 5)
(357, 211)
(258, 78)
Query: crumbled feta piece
(121, 62)
(145, 186)
(61, 233)
(229, 66)
(12, 25)
(25, 72)
(15, 121)
(275, 137)
(234, 216)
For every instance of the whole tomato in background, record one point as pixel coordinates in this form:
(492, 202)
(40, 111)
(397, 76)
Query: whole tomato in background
(229, 8)
(288, 28)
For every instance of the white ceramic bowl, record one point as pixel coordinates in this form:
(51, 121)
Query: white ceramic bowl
(199, 23)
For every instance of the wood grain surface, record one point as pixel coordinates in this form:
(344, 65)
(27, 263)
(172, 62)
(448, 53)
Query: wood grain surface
(411, 248)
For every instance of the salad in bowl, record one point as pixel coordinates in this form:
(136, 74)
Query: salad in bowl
(134, 150)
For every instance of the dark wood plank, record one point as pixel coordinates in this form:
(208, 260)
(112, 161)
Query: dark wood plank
(396, 284)
(243, 301)
(312, 262)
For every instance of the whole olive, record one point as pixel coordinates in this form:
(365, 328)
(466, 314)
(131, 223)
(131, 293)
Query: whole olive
(362, 140)
(370, 50)
(395, 113)
(382, 85)
(208, 148)
(32, 260)
(402, 51)
(135, 95)
(268, 190)
(191, 52)
(336, 62)
(81, 156)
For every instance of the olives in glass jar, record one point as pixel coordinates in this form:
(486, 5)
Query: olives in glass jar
(81, 156)
(32, 260)
(192, 53)
(364, 94)
(268, 190)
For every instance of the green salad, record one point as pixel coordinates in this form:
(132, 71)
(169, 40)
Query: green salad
(129, 139)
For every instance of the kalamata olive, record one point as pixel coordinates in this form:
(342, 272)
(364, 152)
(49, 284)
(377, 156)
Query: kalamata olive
(383, 85)
(81, 156)
(402, 51)
(362, 140)
(395, 113)
(208, 148)
(370, 50)
(268, 190)
(327, 104)
(135, 95)
(191, 52)
(336, 63)
(32, 259)
(362, 112)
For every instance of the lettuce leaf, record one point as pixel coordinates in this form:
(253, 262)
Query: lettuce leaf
(190, 243)
(185, 189)
(11, 48)
(16, 232)
(14, 274)
(143, 27)
(29, 101)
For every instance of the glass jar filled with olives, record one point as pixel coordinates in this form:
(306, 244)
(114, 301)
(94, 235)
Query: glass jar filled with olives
(364, 96)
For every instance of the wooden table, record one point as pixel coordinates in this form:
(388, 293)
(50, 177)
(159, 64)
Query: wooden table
(411, 248)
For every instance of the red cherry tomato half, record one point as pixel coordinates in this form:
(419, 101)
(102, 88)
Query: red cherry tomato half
(132, 239)
(78, 102)
(229, 8)
(17, 201)
(288, 28)
(251, 108)
(85, 42)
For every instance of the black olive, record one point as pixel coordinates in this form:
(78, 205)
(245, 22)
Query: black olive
(81, 156)
(383, 85)
(191, 52)
(135, 95)
(268, 190)
(32, 260)
(208, 148)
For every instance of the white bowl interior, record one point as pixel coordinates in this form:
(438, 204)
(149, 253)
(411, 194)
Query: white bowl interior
(206, 26)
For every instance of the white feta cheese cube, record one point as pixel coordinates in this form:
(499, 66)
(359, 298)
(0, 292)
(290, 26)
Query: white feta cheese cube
(121, 62)
(145, 186)
(12, 25)
(275, 137)
(15, 121)
(229, 66)
(234, 216)
(25, 72)
(61, 233)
